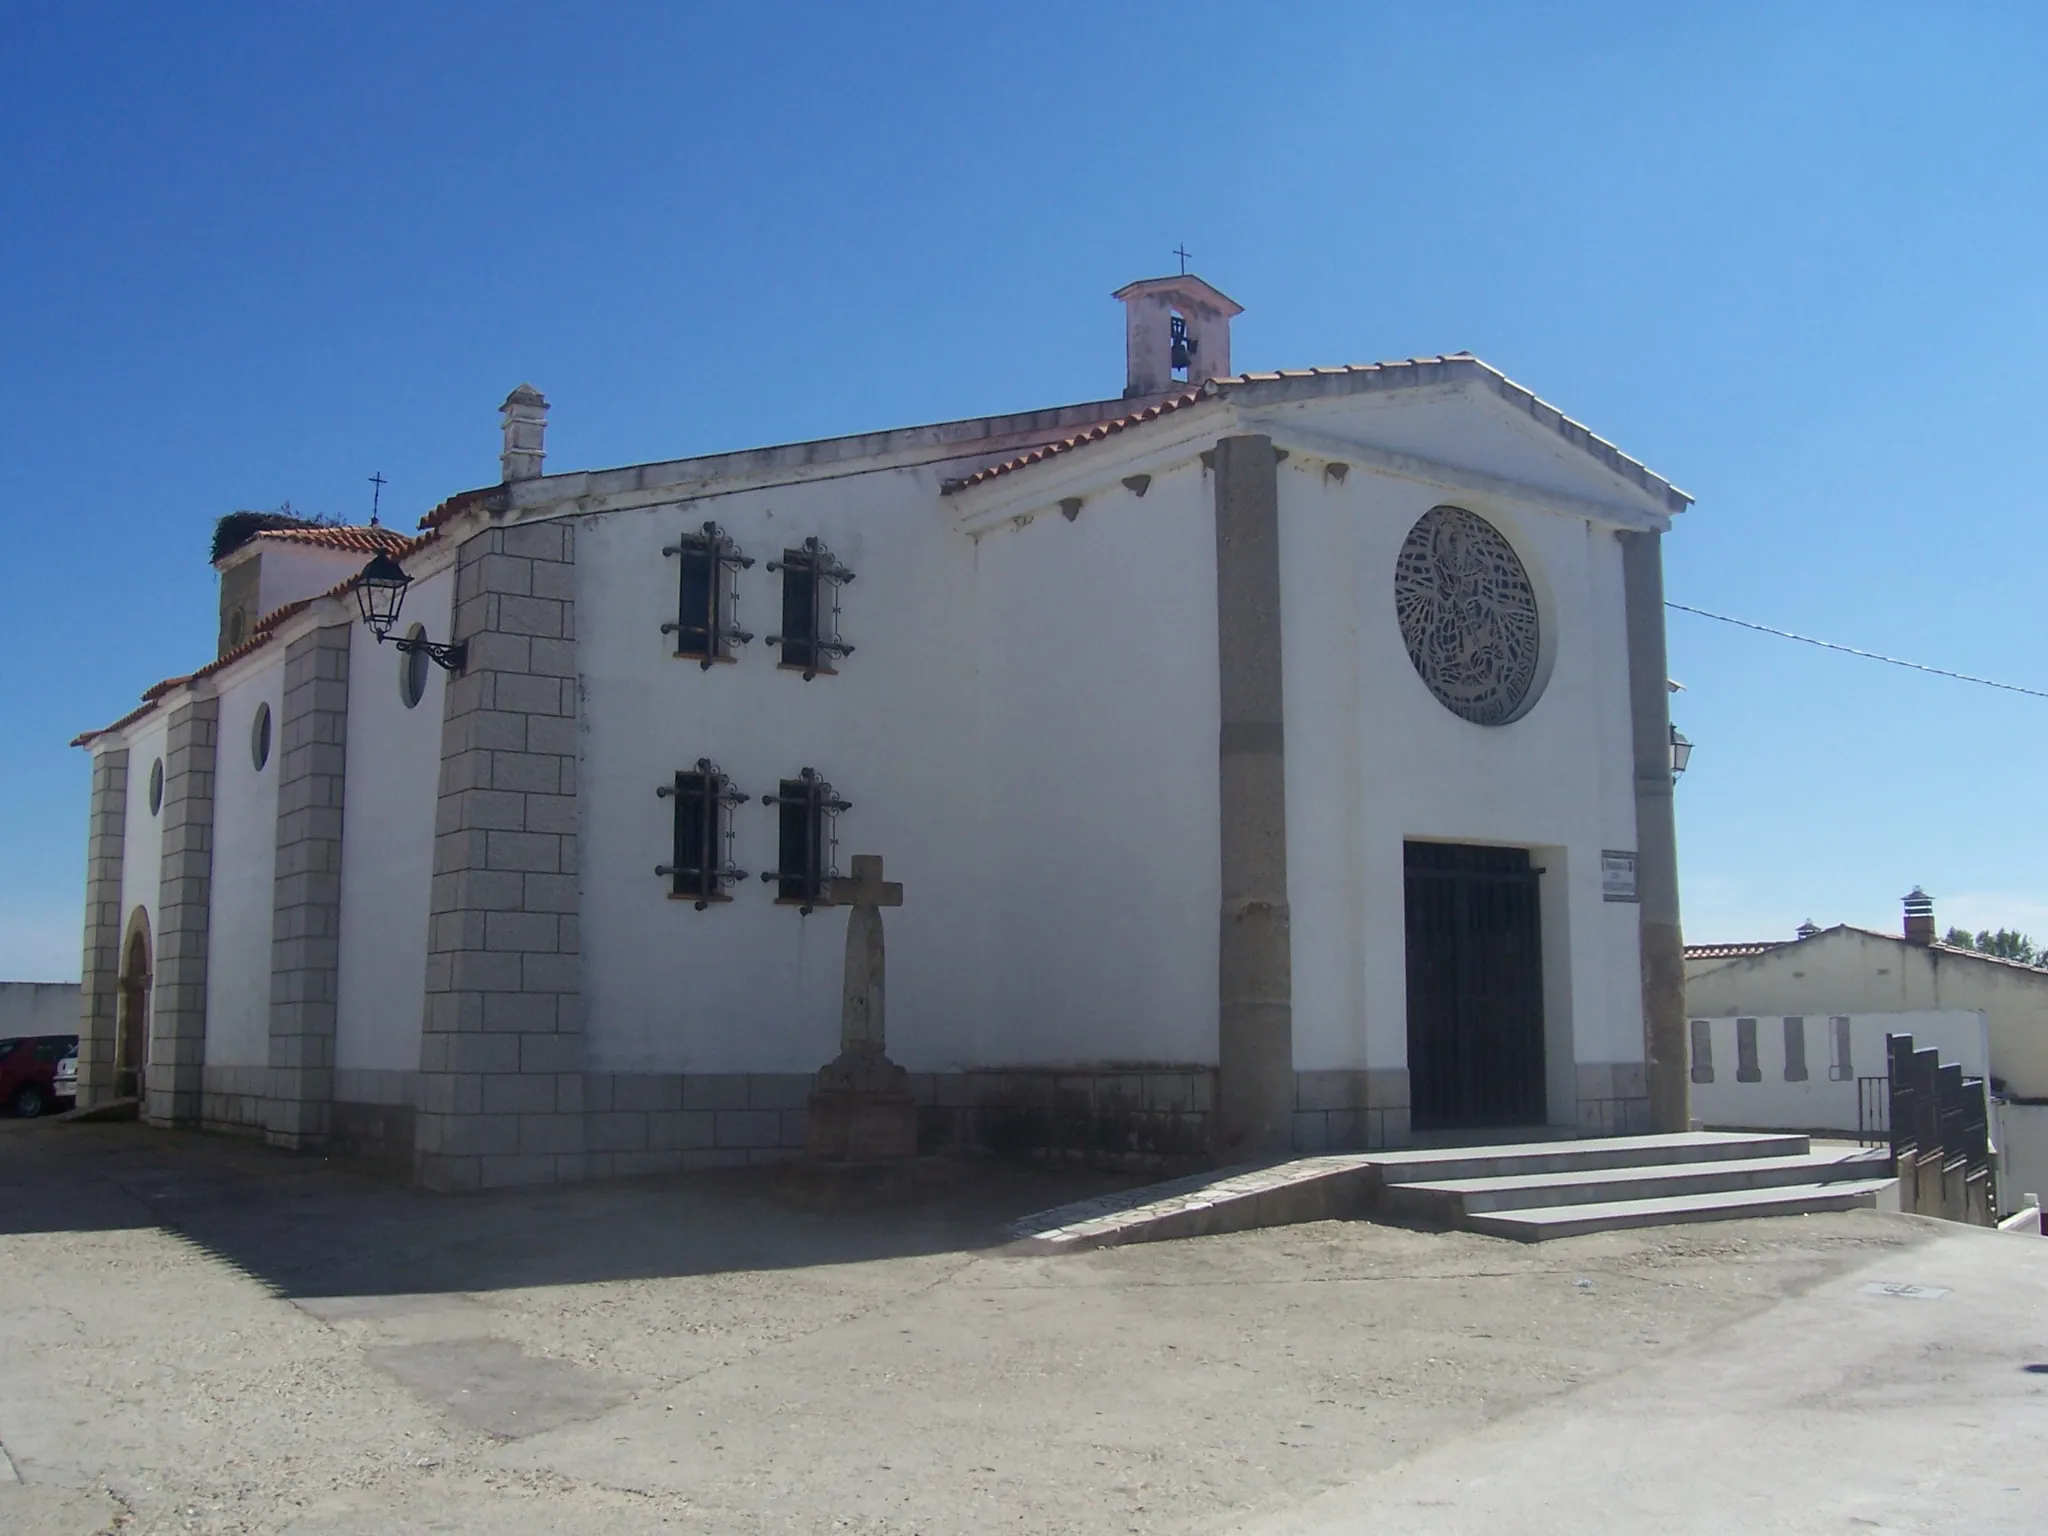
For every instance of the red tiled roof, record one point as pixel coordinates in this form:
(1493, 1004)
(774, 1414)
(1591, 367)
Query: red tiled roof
(1734, 951)
(459, 503)
(1151, 412)
(1399, 373)
(364, 541)
(397, 545)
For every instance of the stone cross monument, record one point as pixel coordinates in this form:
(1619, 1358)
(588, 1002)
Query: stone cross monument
(861, 1110)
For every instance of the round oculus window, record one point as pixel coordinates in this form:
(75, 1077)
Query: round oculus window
(259, 737)
(412, 670)
(156, 786)
(1468, 616)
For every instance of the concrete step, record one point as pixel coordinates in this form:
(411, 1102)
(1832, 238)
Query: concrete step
(1537, 1157)
(1538, 1223)
(1449, 1201)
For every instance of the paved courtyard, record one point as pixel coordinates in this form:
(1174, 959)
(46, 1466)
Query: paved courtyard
(198, 1334)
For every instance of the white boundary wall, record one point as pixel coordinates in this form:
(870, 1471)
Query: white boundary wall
(1826, 1099)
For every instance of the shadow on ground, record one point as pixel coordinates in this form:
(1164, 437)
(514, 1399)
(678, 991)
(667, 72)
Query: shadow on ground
(313, 1226)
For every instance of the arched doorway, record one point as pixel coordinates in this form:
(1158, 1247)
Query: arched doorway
(131, 1034)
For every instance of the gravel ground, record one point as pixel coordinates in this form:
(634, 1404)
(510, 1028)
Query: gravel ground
(201, 1335)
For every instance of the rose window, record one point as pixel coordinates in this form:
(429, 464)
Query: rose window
(1468, 615)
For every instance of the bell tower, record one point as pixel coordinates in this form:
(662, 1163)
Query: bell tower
(1176, 334)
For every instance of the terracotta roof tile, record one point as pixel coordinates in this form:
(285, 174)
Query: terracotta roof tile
(1400, 373)
(366, 541)
(1734, 951)
(397, 545)
(1151, 412)
(461, 502)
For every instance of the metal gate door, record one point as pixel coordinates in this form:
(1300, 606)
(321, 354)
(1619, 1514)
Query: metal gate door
(1475, 987)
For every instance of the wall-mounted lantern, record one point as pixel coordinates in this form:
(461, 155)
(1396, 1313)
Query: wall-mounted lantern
(380, 593)
(1681, 754)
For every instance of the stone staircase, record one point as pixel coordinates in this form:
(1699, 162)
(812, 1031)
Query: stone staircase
(1529, 1191)
(1564, 1188)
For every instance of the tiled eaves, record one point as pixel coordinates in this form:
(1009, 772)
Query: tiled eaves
(362, 541)
(399, 546)
(1094, 434)
(1734, 951)
(1296, 384)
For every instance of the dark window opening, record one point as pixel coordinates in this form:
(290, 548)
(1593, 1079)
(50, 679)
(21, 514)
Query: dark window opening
(1746, 1069)
(1795, 1049)
(706, 625)
(702, 866)
(807, 813)
(1183, 346)
(1840, 1068)
(1702, 1051)
(811, 579)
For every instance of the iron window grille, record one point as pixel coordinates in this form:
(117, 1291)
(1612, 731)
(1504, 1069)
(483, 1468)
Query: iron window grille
(706, 625)
(807, 847)
(703, 865)
(811, 581)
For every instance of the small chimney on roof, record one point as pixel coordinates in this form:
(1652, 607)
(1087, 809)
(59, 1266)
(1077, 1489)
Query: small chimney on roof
(1919, 917)
(1807, 929)
(1176, 334)
(526, 429)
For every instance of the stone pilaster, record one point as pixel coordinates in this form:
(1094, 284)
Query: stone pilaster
(305, 918)
(1663, 947)
(99, 990)
(177, 1044)
(501, 1047)
(1255, 1000)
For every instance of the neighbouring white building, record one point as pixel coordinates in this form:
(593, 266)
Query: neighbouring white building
(1842, 990)
(1269, 759)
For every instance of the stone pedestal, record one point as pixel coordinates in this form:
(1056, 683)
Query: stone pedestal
(861, 1111)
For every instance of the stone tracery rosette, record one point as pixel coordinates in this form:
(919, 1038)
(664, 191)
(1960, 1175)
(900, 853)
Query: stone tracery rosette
(1468, 615)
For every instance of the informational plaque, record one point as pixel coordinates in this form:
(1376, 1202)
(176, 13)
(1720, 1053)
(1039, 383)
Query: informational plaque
(1618, 874)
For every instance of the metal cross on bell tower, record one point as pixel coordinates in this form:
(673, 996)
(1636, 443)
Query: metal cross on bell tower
(1184, 254)
(378, 482)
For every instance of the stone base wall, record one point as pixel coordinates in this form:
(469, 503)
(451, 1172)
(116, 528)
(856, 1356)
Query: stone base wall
(234, 1098)
(1136, 1117)
(1614, 1098)
(379, 1132)
(1359, 1109)
(659, 1122)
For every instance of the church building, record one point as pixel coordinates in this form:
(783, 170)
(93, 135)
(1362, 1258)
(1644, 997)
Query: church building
(1261, 761)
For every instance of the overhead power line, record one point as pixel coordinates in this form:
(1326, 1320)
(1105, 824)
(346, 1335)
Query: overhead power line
(1850, 650)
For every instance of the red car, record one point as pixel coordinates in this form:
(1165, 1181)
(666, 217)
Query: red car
(28, 1072)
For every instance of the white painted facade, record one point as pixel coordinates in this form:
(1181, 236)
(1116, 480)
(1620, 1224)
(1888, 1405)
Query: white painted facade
(244, 864)
(1027, 732)
(143, 843)
(393, 765)
(1372, 756)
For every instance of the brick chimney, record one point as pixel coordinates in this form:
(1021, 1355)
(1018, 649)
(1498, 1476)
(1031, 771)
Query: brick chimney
(1919, 917)
(1176, 333)
(526, 429)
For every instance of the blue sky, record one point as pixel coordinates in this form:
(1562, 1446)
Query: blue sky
(1790, 257)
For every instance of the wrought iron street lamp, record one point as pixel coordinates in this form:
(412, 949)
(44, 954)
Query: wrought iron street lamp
(380, 593)
(1681, 754)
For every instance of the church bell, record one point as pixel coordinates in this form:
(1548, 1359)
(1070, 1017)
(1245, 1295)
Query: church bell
(1183, 349)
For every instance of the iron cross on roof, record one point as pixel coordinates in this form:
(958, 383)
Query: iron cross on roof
(867, 888)
(1183, 253)
(377, 495)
